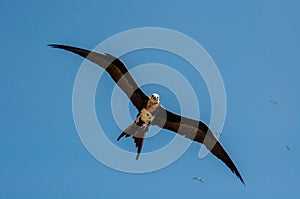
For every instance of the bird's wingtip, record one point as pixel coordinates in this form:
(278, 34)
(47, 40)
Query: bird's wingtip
(241, 179)
(238, 175)
(52, 45)
(56, 45)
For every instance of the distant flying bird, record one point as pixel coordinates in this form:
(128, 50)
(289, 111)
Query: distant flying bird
(198, 179)
(288, 148)
(151, 112)
(273, 102)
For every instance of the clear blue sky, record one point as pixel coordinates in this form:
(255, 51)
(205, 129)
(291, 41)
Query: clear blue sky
(255, 44)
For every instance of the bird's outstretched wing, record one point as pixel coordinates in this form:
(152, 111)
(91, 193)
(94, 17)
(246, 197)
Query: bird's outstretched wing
(196, 131)
(192, 129)
(116, 69)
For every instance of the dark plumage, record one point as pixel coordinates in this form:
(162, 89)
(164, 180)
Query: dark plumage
(193, 129)
(198, 179)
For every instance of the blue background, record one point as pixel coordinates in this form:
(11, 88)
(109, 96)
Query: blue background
(255, 45)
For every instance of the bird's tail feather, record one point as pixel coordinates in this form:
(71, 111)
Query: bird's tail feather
(128, 131)
(138, 138)
(138, 134)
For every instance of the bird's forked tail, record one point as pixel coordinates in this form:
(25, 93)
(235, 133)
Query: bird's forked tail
(138, 134)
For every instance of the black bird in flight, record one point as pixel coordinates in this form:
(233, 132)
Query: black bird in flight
(198, 179)
(150, 110)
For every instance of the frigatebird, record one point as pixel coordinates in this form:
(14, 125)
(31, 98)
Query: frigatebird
(198, 179)
(151, 112)
(273, 102)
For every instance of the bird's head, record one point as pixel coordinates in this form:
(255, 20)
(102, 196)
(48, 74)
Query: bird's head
(155, 97)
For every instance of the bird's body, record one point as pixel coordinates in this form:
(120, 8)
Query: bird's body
(144, 118)
(139, 127)
(151, 112)
(146, 115)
